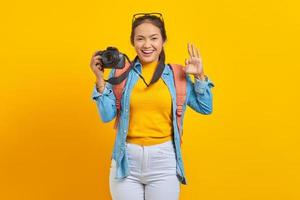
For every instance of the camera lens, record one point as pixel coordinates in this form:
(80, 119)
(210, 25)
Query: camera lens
(108, 57)
(112, 58)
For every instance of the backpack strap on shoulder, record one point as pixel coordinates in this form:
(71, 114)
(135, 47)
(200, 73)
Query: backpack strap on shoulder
(180, 86)
(118, 90)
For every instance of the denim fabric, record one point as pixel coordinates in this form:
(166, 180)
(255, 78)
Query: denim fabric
(199, 98)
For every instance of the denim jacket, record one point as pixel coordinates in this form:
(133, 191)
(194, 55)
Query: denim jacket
(199, 98)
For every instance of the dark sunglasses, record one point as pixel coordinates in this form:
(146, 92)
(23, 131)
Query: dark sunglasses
(138, 15)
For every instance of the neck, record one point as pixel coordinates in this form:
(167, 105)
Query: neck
(147, 64)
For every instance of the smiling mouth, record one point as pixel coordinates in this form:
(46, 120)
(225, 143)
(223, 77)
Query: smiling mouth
(147, 52)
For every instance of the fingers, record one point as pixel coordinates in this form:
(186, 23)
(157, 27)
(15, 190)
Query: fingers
(190, 50)
(186, 62)
(96, 59)
(97, 52)
(193, 51)
(96, 63)
(197, 53)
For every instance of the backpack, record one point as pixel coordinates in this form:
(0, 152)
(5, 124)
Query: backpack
(180, 85)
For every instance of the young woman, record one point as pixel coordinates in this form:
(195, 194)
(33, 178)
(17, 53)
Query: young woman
(146, 160)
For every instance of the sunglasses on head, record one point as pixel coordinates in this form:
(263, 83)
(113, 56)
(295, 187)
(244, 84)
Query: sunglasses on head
(138, 15)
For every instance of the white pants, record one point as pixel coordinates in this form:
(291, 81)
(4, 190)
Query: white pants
(152, 174)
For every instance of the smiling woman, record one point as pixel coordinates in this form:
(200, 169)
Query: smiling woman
(148, 42)
(145, 45)
(146, 159)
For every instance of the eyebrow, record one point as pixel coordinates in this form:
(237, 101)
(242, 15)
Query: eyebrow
(150, 35)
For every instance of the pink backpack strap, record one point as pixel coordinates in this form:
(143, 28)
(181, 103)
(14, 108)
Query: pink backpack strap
(118, 90)
(180, 86)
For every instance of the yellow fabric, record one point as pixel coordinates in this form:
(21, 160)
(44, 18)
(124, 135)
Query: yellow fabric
(150, 111)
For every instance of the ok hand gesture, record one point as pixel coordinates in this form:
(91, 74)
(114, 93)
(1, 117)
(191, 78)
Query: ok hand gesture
(193, 65)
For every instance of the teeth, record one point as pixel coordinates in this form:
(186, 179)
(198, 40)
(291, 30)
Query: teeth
(147, 51)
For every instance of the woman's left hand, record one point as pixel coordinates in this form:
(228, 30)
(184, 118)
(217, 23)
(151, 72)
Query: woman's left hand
(193, 65)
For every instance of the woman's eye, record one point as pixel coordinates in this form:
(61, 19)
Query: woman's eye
(154, 38)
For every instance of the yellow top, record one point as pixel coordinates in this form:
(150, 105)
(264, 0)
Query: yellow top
(150, 110)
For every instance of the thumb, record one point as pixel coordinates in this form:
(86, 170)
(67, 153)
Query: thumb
(186, 62)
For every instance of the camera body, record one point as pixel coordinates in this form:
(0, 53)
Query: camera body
(112, 58)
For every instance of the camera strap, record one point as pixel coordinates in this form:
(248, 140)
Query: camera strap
(157, 73)
(123, 76)
(159, 69)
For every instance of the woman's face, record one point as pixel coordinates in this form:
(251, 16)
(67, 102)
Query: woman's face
(148, 42)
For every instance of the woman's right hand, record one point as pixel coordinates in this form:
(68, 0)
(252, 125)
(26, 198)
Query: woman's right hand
(98, 69)
(96, 66)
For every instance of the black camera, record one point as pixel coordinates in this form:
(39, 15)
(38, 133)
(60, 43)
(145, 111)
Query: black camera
(112, 58)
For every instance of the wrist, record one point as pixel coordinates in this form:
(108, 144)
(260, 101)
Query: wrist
(100, 86)
(200, 76)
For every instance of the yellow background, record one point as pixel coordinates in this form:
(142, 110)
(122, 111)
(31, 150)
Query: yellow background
(53, 145)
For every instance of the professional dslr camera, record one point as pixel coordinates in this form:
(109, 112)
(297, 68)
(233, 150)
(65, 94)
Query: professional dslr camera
(112, 58)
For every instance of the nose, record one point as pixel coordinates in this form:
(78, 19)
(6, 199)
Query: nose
(147, 44)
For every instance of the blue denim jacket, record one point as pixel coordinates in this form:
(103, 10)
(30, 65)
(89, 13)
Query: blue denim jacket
(199, 98)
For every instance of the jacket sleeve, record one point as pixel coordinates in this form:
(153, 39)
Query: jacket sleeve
(105, 101)
(200, 96)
